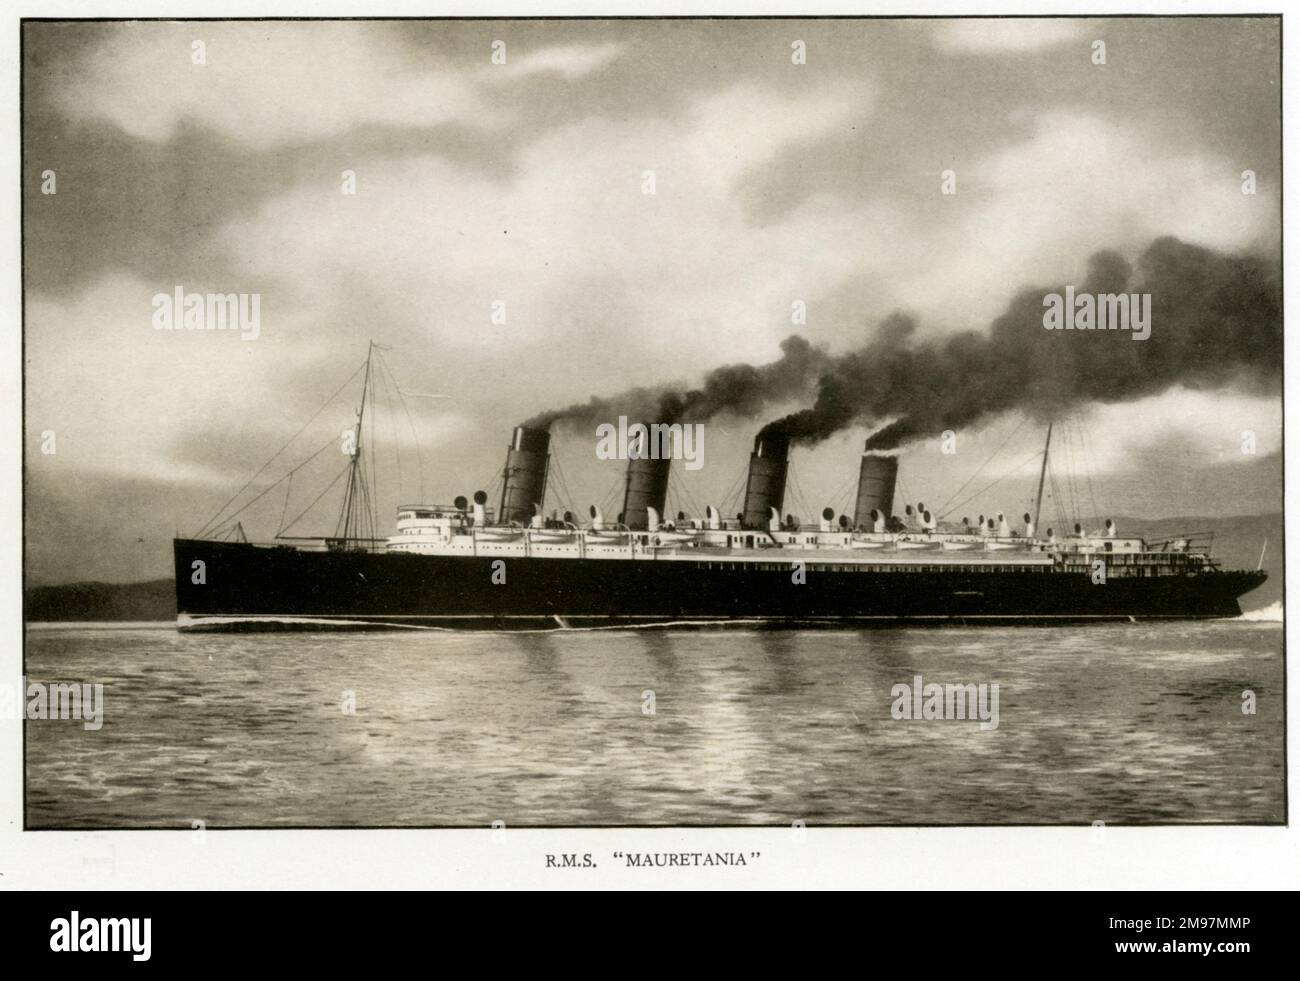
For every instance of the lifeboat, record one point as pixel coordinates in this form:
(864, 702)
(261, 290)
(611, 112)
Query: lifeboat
(498, 533)
(669, 539)
(553, 534)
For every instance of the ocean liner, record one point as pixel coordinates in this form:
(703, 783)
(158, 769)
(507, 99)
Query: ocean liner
(469, 565)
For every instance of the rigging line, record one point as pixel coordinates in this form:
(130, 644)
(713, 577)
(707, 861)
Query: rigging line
(603, 502)
(288, 488)
(683, 491)
(617, 493)
(619, 498)
(1077, 497)
(735, 496)
(1057, 500)
(843, 495)
(554, 488)
(1088, 465)
(1074, 473)
(791, 491)
(363, 505)
(358, 528)
(241, 490)
(496, 492)
(795, 503)
(1061, 477)
(1085, 485)
(392, 427)
(1068, 476)
(395, 430)
(381, 394)
(1074, 470)
(1014, 470)
(800, 501)
(410, 422)
(349, 495)
(272, 487)
(692, 502)
(809, 509)
(1060, 468)
(944, 511)
(570, 498)
(406, 408)
(813, 512)
(677, 494)
(303, 513)
(488, 483)
(725, 500)
(907, 498)
(610, 500)
(561, 484)
(374, 448)
(367, 525)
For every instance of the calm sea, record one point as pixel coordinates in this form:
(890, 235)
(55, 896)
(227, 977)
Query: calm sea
(1135, 723)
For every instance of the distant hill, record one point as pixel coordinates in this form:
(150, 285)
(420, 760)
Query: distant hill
(1237, 542)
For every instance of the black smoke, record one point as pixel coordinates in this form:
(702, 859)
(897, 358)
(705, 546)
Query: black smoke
(737, 388)
(1216, 322)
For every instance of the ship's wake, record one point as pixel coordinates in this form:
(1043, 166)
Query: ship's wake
(1269, 614)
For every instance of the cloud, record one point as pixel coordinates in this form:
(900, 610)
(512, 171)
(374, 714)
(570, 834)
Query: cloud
(310, 81)
(1000, 36)
(1034, 211)
(744, 126)
(1209, 427)
(102, 397)
(569, 60)
(572, 245)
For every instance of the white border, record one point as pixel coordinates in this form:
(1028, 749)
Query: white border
(979, 858)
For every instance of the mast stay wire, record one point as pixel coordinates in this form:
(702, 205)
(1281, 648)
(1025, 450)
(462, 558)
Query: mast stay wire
(410, 421)
(317, 500)
(1088, 465)
(226, 522)
(993, 483)
(562, 489)
(392, 426)
(212, 521)
(946, 510)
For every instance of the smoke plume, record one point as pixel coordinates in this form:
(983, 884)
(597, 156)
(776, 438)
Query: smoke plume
(738, 388)
(1216, 321)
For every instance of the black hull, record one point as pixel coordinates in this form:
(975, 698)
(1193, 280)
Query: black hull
(249, 587)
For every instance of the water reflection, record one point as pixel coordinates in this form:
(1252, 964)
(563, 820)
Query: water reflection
(1140, 724)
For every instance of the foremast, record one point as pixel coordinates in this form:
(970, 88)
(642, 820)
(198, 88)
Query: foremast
(356, 522)
(1042, 478)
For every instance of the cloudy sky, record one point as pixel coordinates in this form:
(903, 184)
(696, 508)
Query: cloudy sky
(524, 184)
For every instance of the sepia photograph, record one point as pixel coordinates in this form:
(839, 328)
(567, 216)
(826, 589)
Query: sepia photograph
(655, 422)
